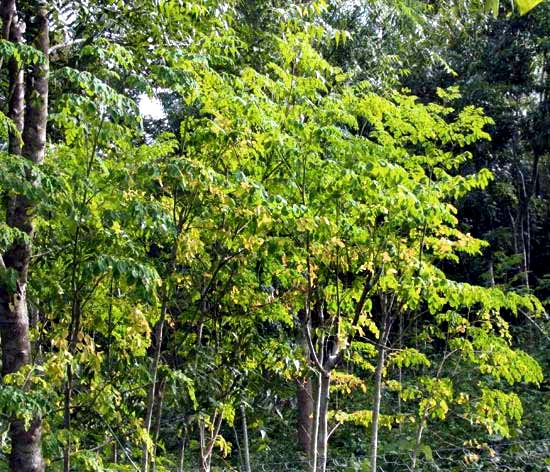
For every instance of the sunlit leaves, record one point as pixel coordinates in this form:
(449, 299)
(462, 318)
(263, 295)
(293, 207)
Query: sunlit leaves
(277, 186)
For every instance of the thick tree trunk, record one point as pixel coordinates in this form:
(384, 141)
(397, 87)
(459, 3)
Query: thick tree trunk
(26, 454)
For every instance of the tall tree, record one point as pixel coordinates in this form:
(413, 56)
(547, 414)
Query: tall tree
(28, 109)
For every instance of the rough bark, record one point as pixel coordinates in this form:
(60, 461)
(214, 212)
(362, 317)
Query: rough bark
(30, 118)
(26, 455)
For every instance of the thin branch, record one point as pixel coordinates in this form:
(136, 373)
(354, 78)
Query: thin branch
(534, 323)
(312, 349)
(336, 426)
(66, 44)
(136, 468)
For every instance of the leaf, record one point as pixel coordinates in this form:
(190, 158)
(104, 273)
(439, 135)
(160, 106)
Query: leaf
(427, 450)
(491, 6)
(525, 6)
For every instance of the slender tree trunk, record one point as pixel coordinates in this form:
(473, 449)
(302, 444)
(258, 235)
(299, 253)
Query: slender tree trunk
(182, 450)
(383, 339)
(239, 450)
(158, 418)
(207, 443)
(67, 419)
(304, 396)
(524, 228)
(376, 406)
(204, 465)
(159, 329)
(26, 453)
(322, 436)
(418, 442)
(492, 282)
(7, 13)
(305, 414)
(314, 442)
(246, 445)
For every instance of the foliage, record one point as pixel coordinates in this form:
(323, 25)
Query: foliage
(291, 177)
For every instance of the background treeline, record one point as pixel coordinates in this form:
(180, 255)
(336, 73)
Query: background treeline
(329, 253)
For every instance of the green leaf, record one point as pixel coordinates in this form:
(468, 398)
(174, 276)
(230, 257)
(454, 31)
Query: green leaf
(427, 451)
(525, 6)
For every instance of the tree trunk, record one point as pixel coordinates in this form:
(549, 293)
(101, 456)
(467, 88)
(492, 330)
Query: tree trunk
(159, 337)
(158, 419)
(314, 442)
(246, 445)
(207, 443)
(26, 453)
(376, 406)
(382, 347)
(322, 436)
(159, 329)
(305, 414)
(182, 450)
(418, 442)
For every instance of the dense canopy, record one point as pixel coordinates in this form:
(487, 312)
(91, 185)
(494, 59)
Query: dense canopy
(263, 235)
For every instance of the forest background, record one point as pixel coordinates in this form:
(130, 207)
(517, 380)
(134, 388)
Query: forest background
(329, 252)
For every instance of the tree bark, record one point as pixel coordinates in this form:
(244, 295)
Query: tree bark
(246, 445)
(305, 414)
(26, 453)
(387, 321)
(158, 419)
(322, 435)
(304, 394)
(159, 329)
(376, 405)
(207, 443)
(182, 450)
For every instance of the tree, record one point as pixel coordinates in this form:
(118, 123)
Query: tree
(22, 31)
(284, 221)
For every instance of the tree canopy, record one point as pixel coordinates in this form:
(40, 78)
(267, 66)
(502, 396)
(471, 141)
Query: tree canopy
(327, 250)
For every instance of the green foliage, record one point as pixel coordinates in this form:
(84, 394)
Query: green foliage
(276, 185)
